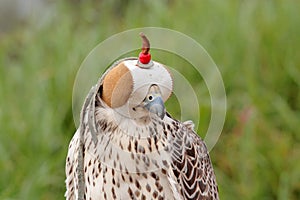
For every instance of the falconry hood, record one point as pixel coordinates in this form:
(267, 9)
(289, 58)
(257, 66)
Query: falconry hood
(126, 83)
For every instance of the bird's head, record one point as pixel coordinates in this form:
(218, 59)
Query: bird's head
(137, 88)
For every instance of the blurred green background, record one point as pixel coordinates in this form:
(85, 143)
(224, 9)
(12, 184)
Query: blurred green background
(254, 43)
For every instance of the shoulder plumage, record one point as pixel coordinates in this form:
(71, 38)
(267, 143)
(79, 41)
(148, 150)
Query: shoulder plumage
(191, 164)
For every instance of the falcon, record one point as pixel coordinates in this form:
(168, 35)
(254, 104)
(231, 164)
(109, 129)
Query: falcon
(128, 146)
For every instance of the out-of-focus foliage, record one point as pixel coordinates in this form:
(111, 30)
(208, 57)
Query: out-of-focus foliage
(254, 43)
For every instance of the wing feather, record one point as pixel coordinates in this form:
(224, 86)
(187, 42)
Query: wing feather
(191, 165)
(71, 164)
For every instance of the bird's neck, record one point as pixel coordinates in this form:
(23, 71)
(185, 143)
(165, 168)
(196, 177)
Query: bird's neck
(142, 127)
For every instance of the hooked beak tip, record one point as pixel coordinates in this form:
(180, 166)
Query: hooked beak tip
(157, 107)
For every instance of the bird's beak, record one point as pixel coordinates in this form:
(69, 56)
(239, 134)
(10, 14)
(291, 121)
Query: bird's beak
(154, 102)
